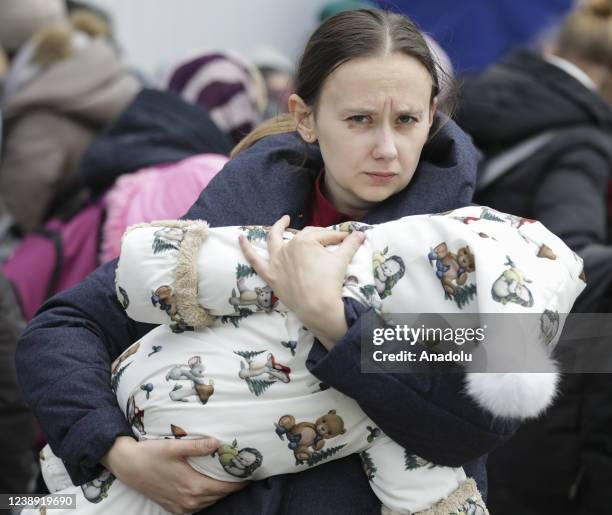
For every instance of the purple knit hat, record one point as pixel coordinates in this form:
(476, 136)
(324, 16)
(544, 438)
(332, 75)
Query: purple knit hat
(225, 84)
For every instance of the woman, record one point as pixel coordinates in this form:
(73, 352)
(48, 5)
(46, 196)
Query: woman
(366, 93)
(558, 100)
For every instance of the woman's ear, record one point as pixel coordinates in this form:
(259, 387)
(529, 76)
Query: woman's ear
(303, 117)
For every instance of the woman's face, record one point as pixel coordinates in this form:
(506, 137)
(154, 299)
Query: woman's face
(372, 120)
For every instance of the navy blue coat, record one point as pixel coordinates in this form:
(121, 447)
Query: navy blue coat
(157, 127)
(64, 356)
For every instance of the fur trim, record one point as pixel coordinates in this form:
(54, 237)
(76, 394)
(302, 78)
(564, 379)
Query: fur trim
(466, 491)
(513, 395)
(53, 43)
(185, 285)
(4, 64)
(454, 502)
(173, 224)
(90, 23)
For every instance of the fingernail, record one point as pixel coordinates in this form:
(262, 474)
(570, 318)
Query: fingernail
(211, 444)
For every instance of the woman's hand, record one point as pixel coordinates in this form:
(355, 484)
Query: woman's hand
(306, 276)
(159, 470)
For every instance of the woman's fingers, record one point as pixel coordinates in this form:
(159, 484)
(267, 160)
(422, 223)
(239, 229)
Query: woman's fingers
(196, 447)
(259, 264)
(351, 245)
(158, 469)
(329, 237)
(275, 234)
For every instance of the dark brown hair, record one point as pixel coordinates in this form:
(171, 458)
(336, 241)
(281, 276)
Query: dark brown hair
(345, 36)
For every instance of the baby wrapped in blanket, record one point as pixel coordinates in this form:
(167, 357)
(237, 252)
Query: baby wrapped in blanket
(229, 359)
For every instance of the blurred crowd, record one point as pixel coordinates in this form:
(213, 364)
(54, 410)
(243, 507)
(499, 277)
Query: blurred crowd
(88, 147)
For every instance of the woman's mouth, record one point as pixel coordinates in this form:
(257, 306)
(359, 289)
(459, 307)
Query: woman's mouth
(381, 177)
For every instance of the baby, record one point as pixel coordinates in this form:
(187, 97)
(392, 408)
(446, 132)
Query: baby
(229, 359)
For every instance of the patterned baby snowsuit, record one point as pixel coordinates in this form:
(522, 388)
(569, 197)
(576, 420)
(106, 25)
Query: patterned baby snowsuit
(229, 359)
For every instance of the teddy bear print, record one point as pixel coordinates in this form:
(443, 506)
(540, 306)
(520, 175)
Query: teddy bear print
(306, 437)
(165, 298)
(452, 269)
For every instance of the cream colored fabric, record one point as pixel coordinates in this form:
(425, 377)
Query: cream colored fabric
(20, 19)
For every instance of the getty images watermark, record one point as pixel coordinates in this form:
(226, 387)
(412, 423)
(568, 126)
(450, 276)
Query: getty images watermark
(486, 342)
(428, 340)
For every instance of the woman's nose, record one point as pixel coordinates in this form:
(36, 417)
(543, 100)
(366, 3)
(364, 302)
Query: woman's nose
(385, 147)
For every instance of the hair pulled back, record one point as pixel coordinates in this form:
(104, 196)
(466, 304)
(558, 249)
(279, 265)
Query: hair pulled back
(340, 38)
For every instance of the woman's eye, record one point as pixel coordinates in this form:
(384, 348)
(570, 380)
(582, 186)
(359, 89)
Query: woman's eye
(406, 120)
(359, 118)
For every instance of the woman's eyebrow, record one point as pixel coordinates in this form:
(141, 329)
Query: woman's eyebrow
(410, 112)
(371, 112)
(360, 110)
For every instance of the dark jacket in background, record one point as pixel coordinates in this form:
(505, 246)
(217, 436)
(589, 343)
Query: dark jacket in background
(17, 424)
(568, 453)
(78, 333)
(564, 184)
(157, 127)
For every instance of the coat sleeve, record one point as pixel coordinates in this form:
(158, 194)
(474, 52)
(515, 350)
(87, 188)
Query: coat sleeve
(571, 202)
(428, 414)
(63, 364)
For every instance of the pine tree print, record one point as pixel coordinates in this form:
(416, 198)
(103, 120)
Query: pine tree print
(368, 291)
(487, 214)
(258, 386)
(115, 379)
(160, 245)
(410, 461)
(248, 354)
(413, 462)
(368, 465)
(255, 232)
(318, 456)
(463, 295)
(235, 319)
(244, 271)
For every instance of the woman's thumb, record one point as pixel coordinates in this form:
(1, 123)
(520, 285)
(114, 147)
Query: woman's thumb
(351, 244)
(199, 447)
